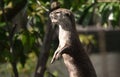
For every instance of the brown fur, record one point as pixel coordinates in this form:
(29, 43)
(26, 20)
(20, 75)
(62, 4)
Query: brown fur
(70, 48)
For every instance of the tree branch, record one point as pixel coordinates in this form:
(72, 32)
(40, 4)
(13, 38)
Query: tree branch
(45, 50)
(11, 35)
(11, 12)
(85, 13)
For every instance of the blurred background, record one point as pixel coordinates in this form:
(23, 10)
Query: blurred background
(28, 41)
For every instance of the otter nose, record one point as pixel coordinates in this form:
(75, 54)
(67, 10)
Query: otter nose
(53, 18)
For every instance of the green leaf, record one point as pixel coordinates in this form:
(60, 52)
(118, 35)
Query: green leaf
(2, 24)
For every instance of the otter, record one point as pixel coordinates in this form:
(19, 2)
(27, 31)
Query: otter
(70, 48)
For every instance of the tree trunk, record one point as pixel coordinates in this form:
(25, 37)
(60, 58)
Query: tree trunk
(44, 53)
(14, 66)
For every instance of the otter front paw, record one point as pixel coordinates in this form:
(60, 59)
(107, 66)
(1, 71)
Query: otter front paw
(59, 52)
(56, 56)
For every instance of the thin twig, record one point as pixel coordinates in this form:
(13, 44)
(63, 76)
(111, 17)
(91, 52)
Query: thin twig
(38, 2)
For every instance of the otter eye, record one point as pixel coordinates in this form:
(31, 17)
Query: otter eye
(67, 15)
(58, 13)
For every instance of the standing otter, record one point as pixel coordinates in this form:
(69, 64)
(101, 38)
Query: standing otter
(70, 48)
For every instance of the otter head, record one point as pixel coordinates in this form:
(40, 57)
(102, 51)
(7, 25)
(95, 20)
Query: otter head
(60, 16)
(63, 17)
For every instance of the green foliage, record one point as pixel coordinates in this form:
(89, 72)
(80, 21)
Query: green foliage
(86, 13)
(29, 39)
(87, 39)
(106, 9)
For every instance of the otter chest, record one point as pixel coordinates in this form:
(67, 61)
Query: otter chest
(63, 36)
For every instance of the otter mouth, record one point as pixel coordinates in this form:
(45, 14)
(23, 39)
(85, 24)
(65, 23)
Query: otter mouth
(53, 20)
